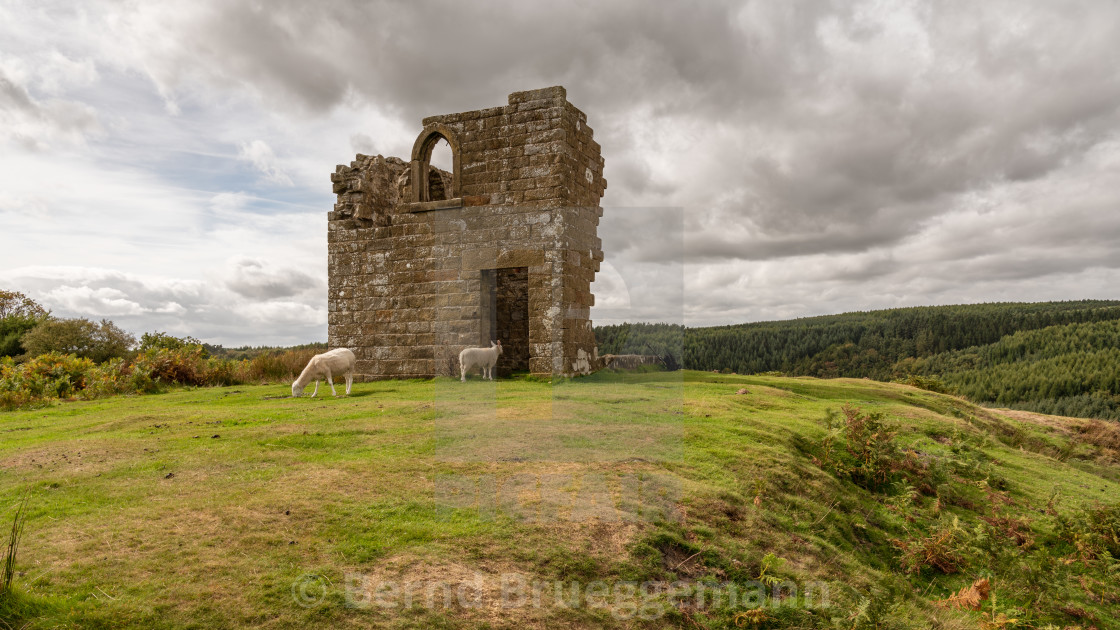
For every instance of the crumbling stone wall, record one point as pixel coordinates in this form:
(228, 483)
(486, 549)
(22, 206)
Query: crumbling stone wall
(409, 245)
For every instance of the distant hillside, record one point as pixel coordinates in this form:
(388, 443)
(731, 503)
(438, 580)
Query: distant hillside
(1071, 370)
(1068, 369)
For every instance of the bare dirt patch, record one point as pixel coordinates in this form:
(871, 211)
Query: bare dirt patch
(88, 458)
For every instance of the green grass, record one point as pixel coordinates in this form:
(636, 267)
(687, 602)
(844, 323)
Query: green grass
(231, 507)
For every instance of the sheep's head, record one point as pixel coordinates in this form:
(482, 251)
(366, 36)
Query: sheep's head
(297, 389)
(497, 344)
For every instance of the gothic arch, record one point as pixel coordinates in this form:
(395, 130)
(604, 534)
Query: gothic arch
(422, 157)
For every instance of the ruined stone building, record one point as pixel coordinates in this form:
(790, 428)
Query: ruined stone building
(424, 262)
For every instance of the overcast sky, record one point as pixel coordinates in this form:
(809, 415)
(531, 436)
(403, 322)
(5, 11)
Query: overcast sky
(166, 164)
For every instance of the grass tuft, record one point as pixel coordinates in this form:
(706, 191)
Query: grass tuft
(9, 569)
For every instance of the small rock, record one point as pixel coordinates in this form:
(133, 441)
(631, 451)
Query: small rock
(169, 475)
(291, 542)
(742, 391)
(287, 512)
(215, 436)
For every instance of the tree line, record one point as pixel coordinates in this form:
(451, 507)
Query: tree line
(44, 358)
(1054, 357)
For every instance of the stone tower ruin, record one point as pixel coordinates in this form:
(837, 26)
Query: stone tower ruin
(424, 262)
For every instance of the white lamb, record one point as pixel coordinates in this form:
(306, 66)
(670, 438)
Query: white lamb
(326, 365)
(484, 358)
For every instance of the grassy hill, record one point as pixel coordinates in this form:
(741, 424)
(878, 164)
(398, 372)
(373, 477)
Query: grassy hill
(419, 504)
(976, 349)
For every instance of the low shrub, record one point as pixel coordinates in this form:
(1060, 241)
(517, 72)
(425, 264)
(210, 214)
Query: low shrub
(860, 447)
(278, 365)
(44, 377)
(183, 365)
(940, 550)
(928, 383)
(1094, 532)
(55, 376)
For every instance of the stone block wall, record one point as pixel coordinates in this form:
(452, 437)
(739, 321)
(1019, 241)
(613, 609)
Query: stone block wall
(413, 251)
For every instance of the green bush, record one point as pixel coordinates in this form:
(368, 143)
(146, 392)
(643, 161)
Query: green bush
(54, 376)
(928, 383)
(860, 447)
(43, 378)
(185, 365)
(18, 315)
(79, 336)
(163, 341)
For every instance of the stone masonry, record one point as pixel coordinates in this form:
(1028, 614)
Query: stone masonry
(423, 262)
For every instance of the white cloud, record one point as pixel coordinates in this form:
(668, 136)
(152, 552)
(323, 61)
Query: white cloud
(283, 313)
(105, 301)
(229, 202)
(264, 160)
(181, 306)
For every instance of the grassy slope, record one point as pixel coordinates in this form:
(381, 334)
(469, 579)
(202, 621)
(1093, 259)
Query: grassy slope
(200, 508)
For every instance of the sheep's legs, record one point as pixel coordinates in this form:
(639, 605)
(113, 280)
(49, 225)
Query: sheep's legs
(330, 382)
(316, 388)
(349, 382)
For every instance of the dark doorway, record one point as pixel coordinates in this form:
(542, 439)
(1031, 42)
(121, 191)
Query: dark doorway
(505, 307)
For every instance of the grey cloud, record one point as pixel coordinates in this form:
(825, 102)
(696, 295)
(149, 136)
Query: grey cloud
(33, 124)
(715, 245)
(252, 278)
(362, 143)
(644, 235)
(853, 142)
(14, 96)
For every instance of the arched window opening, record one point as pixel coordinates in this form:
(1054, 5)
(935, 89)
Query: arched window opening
(435, 165)
(439, 171)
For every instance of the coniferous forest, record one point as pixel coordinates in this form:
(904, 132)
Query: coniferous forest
(1052, 357)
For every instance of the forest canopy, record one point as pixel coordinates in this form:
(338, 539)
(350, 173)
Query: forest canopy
(1052, 357)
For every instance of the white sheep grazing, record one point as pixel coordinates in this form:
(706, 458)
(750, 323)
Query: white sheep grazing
(484, 358)
(326, 365)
